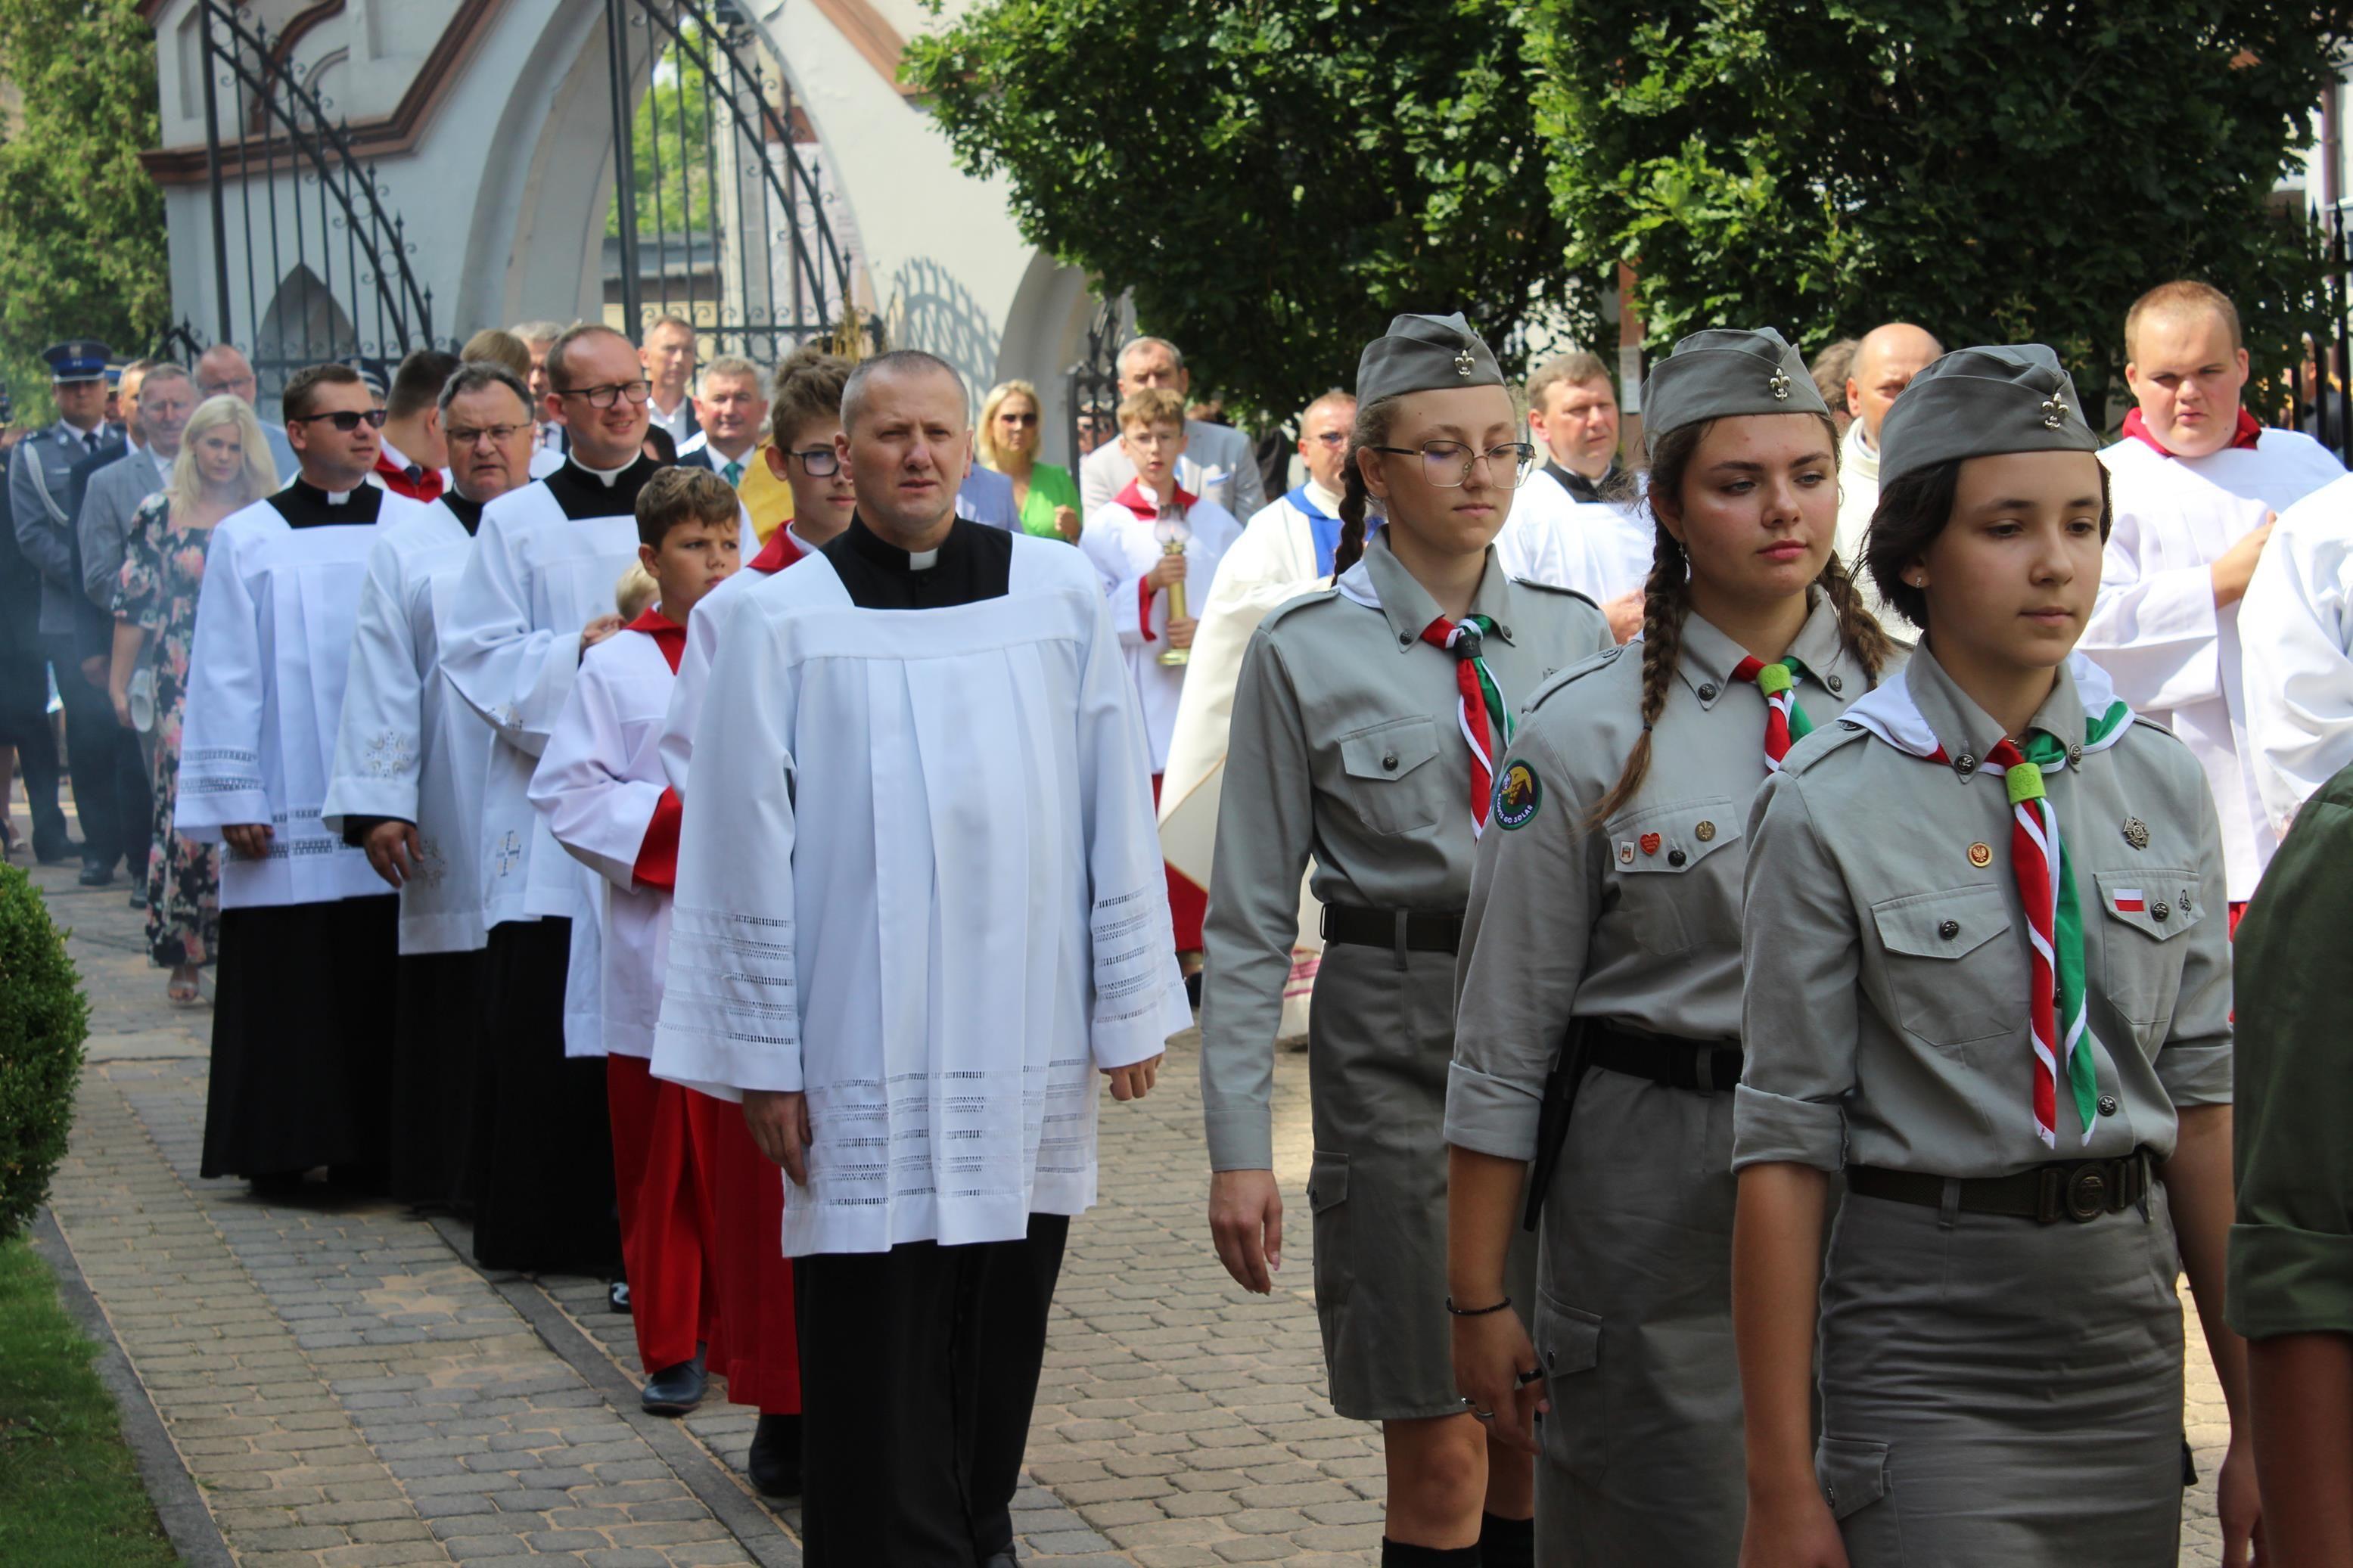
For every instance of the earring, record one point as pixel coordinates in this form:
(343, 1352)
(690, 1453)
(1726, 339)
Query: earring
(1917, 580)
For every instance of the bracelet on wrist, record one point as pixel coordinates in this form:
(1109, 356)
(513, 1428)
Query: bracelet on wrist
(1476, 1312)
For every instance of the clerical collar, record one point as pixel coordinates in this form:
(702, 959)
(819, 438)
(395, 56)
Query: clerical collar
(585, 492)
(607, 476)
(889, 556)
(974, 561)
(1578, 487)
(304, 505)
(467, 512)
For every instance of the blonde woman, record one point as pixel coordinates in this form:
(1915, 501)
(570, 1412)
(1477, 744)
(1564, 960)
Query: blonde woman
(1045, 495)
(223, 465)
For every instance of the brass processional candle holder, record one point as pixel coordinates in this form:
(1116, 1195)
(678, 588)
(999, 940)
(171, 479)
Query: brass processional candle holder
(1172, 542)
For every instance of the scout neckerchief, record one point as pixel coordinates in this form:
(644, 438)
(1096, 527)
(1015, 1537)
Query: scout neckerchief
(1785, 722)
(2038, 860)
(1481, 711)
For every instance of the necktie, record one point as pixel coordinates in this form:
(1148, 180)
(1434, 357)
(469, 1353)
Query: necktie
(734, 472)
(1481, 710)
(89, 442)
(1785, 722)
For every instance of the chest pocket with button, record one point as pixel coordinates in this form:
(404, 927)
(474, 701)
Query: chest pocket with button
(1390, 782)
(1955, 971)
(1653, 853)
(2139, 956)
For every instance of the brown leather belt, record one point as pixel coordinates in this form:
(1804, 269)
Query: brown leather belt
(2078, 1190)
(1401, 930)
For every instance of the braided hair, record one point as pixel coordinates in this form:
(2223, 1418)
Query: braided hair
(1371, 429)
(1666, 604)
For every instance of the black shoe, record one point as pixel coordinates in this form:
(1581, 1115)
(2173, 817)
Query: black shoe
(775, 1462)
(139, 897)
(675, 1390)
(95, 874)
(1193, 989)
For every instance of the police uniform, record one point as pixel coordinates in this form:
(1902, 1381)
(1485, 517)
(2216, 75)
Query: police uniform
(1628, 932)
(1996, 1384)
(1348, 746)
(44, 490)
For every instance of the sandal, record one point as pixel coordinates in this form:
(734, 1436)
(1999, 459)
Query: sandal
(183, 989)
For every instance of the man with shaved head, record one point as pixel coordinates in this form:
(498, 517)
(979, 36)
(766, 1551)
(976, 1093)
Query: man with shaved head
(1885, 361)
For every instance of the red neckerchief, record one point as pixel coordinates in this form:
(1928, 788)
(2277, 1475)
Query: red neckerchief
(2242, 438)
(1145, 508)
(779, 552)
(426, 487)
(667, 635)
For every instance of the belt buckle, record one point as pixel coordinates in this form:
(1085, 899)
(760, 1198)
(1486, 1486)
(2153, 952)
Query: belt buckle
(2087, 1193)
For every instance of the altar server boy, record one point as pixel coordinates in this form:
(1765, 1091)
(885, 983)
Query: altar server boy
(2194, 486)
(600, 789)
(302, 1025)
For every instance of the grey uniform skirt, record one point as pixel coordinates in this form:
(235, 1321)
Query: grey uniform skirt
(1996, 1391)
(1380, 1040)
(1643, 1462)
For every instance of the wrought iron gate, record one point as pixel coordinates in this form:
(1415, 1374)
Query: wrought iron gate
(325, 266)
(719, 214)
(1094, 399)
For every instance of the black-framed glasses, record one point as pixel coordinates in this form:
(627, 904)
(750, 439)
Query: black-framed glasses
(1447, 465)
(500, 434)
(609, 394)
(345, 419)
(821, 462)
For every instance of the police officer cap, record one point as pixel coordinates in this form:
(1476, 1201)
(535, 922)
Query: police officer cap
(1723, 372)
(1420, 353)
(1978, 402)
(77, 358)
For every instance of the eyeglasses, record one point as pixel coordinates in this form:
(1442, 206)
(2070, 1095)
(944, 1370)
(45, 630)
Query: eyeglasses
(1023, 419)
(607, 395)
(1332, 437)
(1448, 464)
(498, 435)
(345, 419)
(821, 462)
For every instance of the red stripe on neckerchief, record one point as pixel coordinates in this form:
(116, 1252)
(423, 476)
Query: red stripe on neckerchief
(667, 635)
(1481, 711)
(2243, 435)
(1785, 722)
(1147, 508)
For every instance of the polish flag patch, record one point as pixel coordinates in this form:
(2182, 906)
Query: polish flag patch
(2129, 901)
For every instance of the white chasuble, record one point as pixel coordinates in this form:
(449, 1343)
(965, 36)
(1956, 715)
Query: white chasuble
(919, 882)
(266, 677)
(405, 749)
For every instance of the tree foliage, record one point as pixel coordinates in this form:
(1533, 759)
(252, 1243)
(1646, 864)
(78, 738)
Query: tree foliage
(672, 170)
(1995, 172)
(1274, 181)
(82, 223)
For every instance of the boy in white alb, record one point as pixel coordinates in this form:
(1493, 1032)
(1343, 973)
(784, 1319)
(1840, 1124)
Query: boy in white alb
(1149, 539)
(2195, 485)
(303, 1029)
(2296, 625)
(599, 786)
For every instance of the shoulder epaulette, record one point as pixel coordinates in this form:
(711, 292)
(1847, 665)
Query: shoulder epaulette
(1555, 588)
(2164, 730)
(1291, 606)
(1821, 743)
(1576, 671)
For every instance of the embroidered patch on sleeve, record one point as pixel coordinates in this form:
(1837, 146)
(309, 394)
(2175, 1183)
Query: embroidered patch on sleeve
(1518, 793)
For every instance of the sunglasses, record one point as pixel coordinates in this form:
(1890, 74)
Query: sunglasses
(1017, 419)
(345, 419)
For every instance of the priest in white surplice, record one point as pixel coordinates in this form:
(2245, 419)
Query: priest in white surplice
(920, 907)
(410, 765)
(302, 1018)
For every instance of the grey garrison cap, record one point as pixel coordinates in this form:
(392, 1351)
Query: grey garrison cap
(1720, 373)
(1979, 401)
(1419, 354)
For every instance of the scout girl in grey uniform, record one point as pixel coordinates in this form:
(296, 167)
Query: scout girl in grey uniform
(1366, 726)
(1603, 934)
(1987, 978)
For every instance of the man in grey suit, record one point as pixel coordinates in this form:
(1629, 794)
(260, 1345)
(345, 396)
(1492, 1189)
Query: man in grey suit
(1219, 463)
(223, 371)
(166, 398)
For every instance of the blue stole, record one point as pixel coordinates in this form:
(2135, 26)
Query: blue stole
(1322, 526)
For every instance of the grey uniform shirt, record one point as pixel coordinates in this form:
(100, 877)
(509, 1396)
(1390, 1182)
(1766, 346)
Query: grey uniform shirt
(1346, 746)
(1612, 922)
(1886, 1016)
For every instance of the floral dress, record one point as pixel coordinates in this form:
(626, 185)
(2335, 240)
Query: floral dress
(163, 568)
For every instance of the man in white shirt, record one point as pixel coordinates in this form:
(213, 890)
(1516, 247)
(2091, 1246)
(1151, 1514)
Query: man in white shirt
(302, 1020)
(1570, 527)
(1219, 463)
(224, 372)
(2296, 625)
(538, 337)
(919, 909)
(2195, 484)
(669, 360)
(730, 408)
(1885, 361)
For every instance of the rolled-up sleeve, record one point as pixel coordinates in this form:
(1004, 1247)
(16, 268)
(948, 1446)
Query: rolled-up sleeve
(1800, 955)
(1526, 932)
(2194, 1063)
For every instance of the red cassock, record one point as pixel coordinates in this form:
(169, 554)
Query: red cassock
(661, 1152)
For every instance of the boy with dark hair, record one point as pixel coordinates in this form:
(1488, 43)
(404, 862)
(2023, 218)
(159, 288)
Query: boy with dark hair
(600, 788)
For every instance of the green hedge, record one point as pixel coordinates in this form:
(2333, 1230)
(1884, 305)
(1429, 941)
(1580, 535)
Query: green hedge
(43, 1022)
